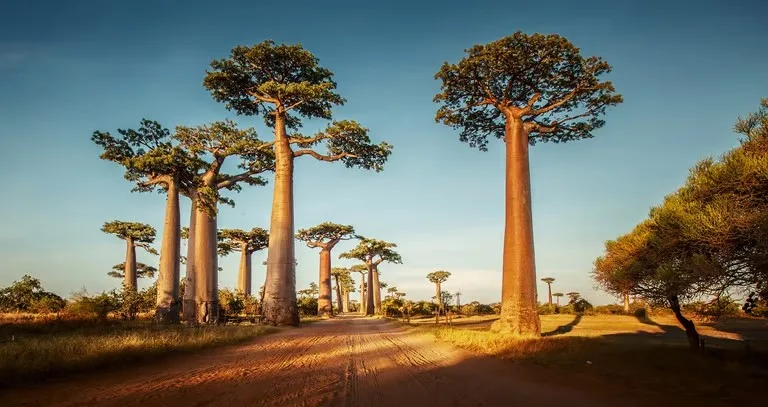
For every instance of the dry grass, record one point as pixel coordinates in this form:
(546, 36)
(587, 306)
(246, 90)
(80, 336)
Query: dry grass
(645, 355)
(34, 350)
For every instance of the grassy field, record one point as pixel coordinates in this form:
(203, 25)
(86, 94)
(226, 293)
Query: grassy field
(647, 355)
(35, 349)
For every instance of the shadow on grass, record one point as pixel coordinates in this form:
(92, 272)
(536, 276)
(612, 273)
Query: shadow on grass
(564, 329)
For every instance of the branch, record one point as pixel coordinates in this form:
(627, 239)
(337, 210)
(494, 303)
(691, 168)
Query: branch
(298, 140)
(158, 179)
(263, 98)
(237, 178)
(294, 105)
(328, 158)
(555, 105)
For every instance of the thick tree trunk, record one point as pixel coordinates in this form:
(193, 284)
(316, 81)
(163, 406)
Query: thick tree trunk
(690, 327)
(339, 304)
(279, 306)
(324, 304)
(549, 292)
(363, 302)
(376, 291)
(129, 269)
(189, 277)
(369, 300)
(439, 301)
(244, 275)
(626, 303)
(206, 267)
(167, 306)
(345, 302)
(519, 314)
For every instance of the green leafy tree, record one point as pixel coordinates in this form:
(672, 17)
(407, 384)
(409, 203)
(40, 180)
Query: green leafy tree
(373, 252)
(213, 144)
(523, 89)
(341, 275)
(154, 160)
(142, 271)
(28, 295)
(326, 236)
(285, 83)
(438, 278)
(245, 242)
(135, 235)
(363, 270)
(347, 287)
(557, 295)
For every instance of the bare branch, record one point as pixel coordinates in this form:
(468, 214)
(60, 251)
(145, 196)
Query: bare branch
(298, 140)
(321, 157)
(555, 105)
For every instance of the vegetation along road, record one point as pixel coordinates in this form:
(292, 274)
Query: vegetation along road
(347, 361)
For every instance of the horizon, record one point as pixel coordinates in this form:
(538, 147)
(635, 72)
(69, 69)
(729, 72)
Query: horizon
(80, 68)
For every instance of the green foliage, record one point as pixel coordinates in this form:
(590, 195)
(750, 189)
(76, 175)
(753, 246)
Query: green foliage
(140, 233)
(610, 309)
(142, 271)
(236, 239)
(541, 80)
(392, 306)
(97, 306)
(438, 277)
(307, 305)
(546, 309)
(231, 303)
(28, 295)
(423, 308)
(372, 251)
(719, 308)
(311, 292)
(326, 233)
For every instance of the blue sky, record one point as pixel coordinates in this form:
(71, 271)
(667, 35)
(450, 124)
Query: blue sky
(687, 70)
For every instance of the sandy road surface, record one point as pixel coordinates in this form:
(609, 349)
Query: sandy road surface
(347, 361)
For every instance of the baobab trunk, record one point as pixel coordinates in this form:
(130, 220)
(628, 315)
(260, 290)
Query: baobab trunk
(338, 296)
(363, 302)
(376, 292)
(518, 288)
(189, 278)
(244, 276)
(129, 271)
(206, 268)
(324, 304)
(626, 302)
(369, 304)
(345, 303)
(549, 292)
(439, 300)
(167, 306)
(279, 306)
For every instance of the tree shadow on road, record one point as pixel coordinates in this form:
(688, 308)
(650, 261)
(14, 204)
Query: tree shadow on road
(564, 329)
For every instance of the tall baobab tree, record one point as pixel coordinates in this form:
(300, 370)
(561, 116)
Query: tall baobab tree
(438, 278)
(340, 274)
(245, 242)
(458, 295)
(347, 286)
(549, 281)
(214, 143)
(557, 295)
(373, 252)
(363, 270)
(153, 160)
(326, 236)
(285, 83)
(523, 89)
(135, 235)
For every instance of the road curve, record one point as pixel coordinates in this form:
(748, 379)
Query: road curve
(345, 361)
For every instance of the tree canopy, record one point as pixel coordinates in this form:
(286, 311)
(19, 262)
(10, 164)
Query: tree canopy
(439, 276)
(142, 271)
(542, 80)
(373, 252)
(325, 234)
(140, 233)
(236, 239)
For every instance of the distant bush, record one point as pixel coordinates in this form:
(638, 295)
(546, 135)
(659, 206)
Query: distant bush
(547, 309)
(98, 306)
(391, 307)
(424, 308)
(28, 295)
(611, 309)
(719, 308)
(307, 306)
(230, 302)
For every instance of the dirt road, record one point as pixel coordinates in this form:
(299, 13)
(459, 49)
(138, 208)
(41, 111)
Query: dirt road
(347, 361)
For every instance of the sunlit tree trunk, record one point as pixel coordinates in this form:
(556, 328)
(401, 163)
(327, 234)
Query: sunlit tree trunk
(279, 306)
(244, 275)
(339, 304)
(549, 292)
(376, 292)
(363, 303)
(324, 304)
(167, 306)
(439, 300)
(626, 302)
(518, 290)
(189, 278)
(345, 302)
(206, 267)
(369, 302)
(130, 265)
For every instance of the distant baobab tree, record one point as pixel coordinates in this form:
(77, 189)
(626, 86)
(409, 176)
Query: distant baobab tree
(373, 252)
(557, 295)
(135, 235)
(549, 281)
(142, 271)
(245, 242)
(438, 278)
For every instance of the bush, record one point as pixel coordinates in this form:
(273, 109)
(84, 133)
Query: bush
(547, 309)
(391, 307)
(719, 308)
(230, 302)
(582, 306)
(423, 308)
(99, 306)
(28, 295)
(307, 306)
(610, 309)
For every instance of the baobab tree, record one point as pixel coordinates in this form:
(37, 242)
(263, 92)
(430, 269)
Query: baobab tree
(135, 235)
(458, 295)
(363, 270)
(438, 278)
(325, 236)
(214, 143)
(347, 286)
(557, 295)
(373, 252)
(154, 160)
(142, 271)
(339, 274)
(245, 242)
(285, 83)
(549, 281)
(523, 89)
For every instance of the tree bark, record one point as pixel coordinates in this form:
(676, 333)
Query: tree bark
(626, 302)
(244, 276)
(363, 302)
(439, 301)
(339, 303)
(549, 292)
(206, 267)
(345, 302)
(189, 278)
(376, 291)
(519, 314)
(129, 270)
(167, 305)
(690, 327)
(279, 306)
(324, 304)
(369, 303)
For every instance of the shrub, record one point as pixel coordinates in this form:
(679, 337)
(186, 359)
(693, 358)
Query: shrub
(424, 308)
(230, 302)
(28, 295)
(582, 306)
(307, 306)
(547, 309)
(612, 309)
(719, 308)
(99, 306)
